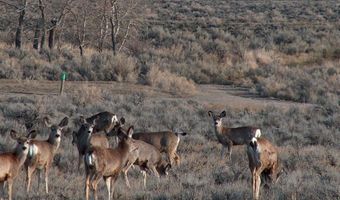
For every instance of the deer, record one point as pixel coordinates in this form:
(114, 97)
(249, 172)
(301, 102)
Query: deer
(105, 121)
(165, 141)
(41, 152)
(263, 161)
(148, 158)
(85, 138)
(107, 163)
(229, 137)
(11, 162)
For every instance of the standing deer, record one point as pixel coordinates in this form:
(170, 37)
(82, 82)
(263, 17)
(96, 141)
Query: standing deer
(84, 139)
(263, 160)
(11, 162)
(148, 158)
(232, 136)
(107, 163)
(41, 152)
(165, 141)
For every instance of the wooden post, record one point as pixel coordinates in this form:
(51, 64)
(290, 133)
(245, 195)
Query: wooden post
(62, 78)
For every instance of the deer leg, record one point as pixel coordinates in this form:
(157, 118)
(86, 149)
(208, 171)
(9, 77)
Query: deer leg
(79, 161)
(222, 152)
(257, 188)
(113, 182)
(87, 186)
(108, 186)
(125, 171)
(1, 189)
(10, 184)
(95, 185)
(30, 171)
(230, 144)
(46, 178)
(144, 178)
(253, 177)
(39, 177)
(177, 159)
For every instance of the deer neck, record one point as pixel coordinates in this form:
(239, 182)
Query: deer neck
(125, 148)
(21, 156)
(55, 142)
(219, 130)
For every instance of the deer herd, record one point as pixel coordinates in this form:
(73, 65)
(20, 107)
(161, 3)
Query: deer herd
(152, 152)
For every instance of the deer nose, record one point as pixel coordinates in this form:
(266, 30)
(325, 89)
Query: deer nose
(57, 136)
(216, 123)
(24, 148)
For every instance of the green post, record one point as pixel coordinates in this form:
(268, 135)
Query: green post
(62, 78)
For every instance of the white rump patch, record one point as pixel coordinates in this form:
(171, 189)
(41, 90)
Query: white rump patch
(258, 149)
(32, 150)
(258, 133)
(253, 140)
(114, 119)
(90, 159)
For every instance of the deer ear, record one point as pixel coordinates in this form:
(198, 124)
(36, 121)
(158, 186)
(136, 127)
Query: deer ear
(32, 134)
(13, 134)
(47, 121)
(95, 121)
(223, 114)
(122, 120)
(130, 132)
(168, 166)
(82, 120)
(210, 113)
(63, 122)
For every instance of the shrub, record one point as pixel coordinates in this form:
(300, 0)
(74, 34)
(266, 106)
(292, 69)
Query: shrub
(169, 82)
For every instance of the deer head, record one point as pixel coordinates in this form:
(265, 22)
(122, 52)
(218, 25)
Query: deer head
(56, 130)
(217, 119)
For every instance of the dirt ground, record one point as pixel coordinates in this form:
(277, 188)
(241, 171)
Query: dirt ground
(213, 96)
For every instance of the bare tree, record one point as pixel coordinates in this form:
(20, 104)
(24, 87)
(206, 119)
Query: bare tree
(122, 18)
(21, 8)
(104, 26)
(81, 13)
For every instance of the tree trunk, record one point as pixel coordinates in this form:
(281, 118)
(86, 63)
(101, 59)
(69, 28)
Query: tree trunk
(51, 34)
(81, 50)
(18, 34)
(43, 36)
(36, 36)
(113, 37)
(103, 28)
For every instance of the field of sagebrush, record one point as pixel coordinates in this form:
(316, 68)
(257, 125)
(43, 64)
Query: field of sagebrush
(288, 50)
(307, 141)
(283, 49)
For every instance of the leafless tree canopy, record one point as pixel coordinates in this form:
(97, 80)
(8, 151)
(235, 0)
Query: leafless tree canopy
(102, 24)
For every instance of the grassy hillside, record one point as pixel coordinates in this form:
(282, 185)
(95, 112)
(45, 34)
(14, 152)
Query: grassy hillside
(307, 141)
(283, 49)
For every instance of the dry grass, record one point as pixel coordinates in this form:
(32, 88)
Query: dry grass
(310, 158)
(167, 81)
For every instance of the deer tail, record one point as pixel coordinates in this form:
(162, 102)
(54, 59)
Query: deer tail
(181, 133)
(90, 158)
(255, 151)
